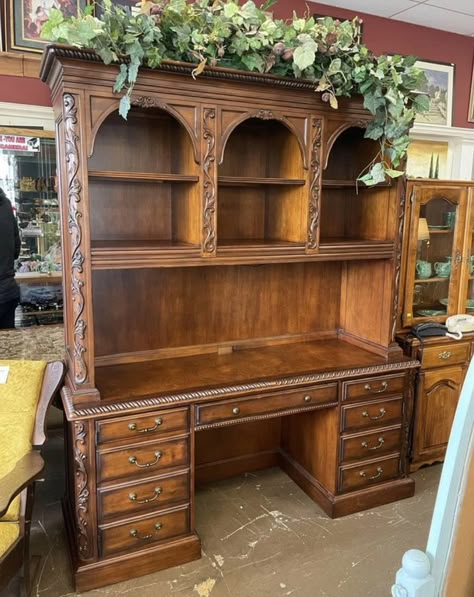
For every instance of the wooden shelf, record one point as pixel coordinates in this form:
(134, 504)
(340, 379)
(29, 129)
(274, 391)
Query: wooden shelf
(356, 248)
(437, 231)
(251, 181)
(344, 184)
(109, 254)
(187, 373)
(258, 246)
(439, 279)
(141, 176)
(38, 278)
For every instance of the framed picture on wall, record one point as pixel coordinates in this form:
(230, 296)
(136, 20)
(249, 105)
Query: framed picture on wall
(24, 19)
(439, 87)
(470, 116)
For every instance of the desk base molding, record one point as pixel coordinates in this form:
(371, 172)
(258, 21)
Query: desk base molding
(349, 503)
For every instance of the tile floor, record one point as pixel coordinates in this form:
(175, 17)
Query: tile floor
(262, 536)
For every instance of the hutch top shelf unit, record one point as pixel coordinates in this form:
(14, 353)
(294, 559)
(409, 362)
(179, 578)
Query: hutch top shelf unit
(223, 270)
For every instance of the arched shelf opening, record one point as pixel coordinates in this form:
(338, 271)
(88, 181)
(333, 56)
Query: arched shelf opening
(143, 182)
(262, 185)
(351, 211)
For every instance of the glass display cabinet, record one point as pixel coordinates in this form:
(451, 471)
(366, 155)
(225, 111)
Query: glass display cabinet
(437, 281)
(439, 267)
(29, 179)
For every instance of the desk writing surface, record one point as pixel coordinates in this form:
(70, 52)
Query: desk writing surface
(174, 375)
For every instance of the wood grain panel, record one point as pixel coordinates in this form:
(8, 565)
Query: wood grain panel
(135, 461)
(141, 533)
(372, 414)
(368, 474)
(135, 427)
(161, 308)
(138, 498)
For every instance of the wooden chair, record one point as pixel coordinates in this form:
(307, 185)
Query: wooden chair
(24, 401)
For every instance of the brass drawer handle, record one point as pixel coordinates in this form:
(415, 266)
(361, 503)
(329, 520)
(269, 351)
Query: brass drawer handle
(134, 498)
(445, 355)
(133, 460)
(379, 472)
(236, 411)
(307, 398)
(134, 533)
(382, 414)
(158, 422)
(379, 445)
(383, 387)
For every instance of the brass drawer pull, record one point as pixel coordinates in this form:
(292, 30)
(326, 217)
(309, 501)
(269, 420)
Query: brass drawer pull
(307, 398)
(134, 533)
(133, 460)
(236, 411)
(445, 355)
(379, 472)
(158, 422)
(383, 387)
(379, 445)
(382, 414)
(134, 498)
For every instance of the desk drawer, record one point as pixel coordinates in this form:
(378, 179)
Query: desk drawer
(140, 427)
(372, 414)
(137, 498)
(370, 445)
(140, 533)
(376, 387)
(141, 459)
(275, 403)
(444, 354)
(368, 474)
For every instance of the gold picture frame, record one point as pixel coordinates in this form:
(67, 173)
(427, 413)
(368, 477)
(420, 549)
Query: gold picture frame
(470, 115)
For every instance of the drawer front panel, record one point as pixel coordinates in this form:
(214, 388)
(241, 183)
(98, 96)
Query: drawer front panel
(445, 354)
(376, 387)
(366, 475)
(138, 460)
(142, 427)
(370, 445)
(238, 409)
(372, 414)
(141, 533)
(135, 498)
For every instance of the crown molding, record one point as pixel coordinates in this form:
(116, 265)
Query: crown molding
(26, 116)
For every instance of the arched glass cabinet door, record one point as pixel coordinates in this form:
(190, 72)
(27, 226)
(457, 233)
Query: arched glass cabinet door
(434, 266)
(467, 285)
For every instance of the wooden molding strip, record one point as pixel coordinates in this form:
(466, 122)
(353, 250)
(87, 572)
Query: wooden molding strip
(16, 64)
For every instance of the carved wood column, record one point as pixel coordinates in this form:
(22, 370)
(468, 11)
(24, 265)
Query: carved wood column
(209, 183)
(314, 202)
(78, 296)
(84, 504)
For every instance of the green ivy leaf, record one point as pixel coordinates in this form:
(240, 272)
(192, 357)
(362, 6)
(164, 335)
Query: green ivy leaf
(124, 106)
(121, 78)
(305, 54)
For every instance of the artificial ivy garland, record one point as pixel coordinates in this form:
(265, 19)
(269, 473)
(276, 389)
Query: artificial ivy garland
(224, 33)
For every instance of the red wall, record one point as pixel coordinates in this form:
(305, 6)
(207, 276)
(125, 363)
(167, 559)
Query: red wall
(392, 37)
(23, 90)
(380, 35)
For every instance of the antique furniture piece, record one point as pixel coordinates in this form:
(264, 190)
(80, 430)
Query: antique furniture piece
(24, 401)
(228, 307)
(437, 281)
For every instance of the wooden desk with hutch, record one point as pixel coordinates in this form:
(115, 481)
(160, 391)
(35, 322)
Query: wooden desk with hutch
(230, 303)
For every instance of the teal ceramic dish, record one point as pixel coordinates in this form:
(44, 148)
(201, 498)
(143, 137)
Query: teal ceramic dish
(430, 312)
